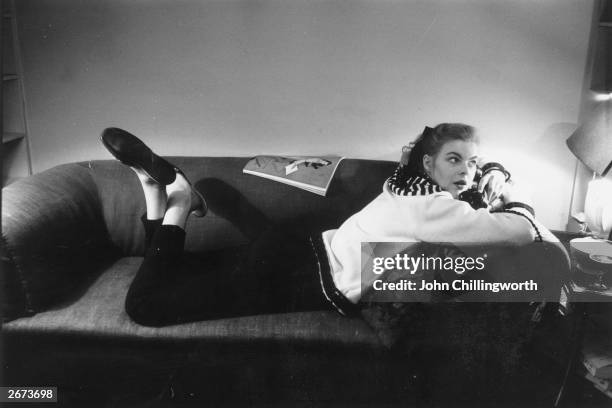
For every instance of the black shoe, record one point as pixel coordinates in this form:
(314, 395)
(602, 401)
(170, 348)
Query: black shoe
(131, 151)
(199, 208)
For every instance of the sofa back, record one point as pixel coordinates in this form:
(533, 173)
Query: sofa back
(239, 203)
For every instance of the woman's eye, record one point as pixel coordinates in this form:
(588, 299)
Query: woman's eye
(472, 163)
(454, 160)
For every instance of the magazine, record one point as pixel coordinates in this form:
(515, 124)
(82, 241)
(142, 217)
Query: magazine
(310, 173)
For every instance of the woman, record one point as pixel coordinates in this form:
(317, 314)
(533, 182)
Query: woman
(422, 203)
(314, 272)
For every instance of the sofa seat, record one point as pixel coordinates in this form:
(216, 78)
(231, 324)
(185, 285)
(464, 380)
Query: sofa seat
(100, 312)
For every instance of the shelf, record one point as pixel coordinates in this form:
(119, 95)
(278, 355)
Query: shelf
(8, 137)
(605, 24)
(16, 155)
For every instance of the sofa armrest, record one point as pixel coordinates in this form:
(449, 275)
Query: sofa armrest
(53, 238)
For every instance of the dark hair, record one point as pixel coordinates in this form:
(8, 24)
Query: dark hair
(431, 141)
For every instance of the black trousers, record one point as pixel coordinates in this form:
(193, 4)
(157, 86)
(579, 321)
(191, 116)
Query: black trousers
(276, 273)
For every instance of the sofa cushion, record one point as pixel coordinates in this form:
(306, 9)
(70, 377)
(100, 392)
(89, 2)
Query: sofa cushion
(100, 312)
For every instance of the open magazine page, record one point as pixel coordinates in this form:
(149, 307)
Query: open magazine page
(311, 173)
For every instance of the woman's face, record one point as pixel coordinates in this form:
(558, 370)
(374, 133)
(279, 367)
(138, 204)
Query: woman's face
(454, 167)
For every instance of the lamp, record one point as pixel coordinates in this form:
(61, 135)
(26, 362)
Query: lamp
(591, 143)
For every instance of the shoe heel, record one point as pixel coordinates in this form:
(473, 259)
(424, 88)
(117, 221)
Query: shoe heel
(203, 208)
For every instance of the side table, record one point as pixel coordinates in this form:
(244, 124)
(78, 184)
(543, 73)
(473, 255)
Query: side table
(581, 304)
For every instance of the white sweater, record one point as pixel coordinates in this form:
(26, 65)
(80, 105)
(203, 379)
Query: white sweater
(431, 218)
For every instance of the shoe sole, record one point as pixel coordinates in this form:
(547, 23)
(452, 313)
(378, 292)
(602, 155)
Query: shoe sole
(147, 168)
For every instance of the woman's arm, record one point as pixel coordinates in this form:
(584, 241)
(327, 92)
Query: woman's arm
(449, 220)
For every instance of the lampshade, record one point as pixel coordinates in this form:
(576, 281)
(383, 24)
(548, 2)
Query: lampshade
(592, 141)
(601, 80)
(606, 14)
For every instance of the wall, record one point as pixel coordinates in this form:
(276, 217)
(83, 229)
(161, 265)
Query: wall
(357, 78)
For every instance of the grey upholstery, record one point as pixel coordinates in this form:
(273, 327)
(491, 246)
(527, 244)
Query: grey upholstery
(73, 224)
(99, 312)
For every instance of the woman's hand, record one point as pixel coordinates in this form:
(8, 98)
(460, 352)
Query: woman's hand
(492, 185)
(406, 153)
(513, 193)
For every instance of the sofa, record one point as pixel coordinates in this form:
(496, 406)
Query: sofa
(72, 241)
